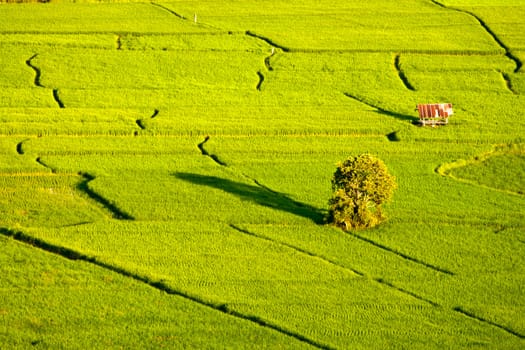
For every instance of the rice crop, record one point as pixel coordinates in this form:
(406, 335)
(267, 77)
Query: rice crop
(275, 284)
(53, 302)
(165, 170)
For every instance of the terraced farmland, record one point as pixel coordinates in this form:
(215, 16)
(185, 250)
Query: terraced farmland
(165, 170)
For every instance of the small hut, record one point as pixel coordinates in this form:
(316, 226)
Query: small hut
(434, 113)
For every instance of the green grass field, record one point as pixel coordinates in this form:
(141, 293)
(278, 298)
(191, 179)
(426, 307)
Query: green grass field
(165, 170)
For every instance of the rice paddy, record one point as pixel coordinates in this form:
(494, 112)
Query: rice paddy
(165, 170)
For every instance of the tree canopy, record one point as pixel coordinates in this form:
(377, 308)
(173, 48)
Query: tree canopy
(361, 185)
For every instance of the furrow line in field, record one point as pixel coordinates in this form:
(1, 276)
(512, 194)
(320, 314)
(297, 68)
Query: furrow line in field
(336, 264)
(34, 174)
(205, 153)
(267, 62)
(194, 20)
(38, 73)
(445, 170)
(300, 250)
(140, 124)
(42, 163)
(159, 285)
(261, 80)
(267, 40)
(125, 33)
(402, 74)
(404, 291)
(178, 15)
(485, 26)
(405, 51)
(396, 115)
(115, 212)
(483, 320)
(508, 83)
(83, 187)
(57, 99)
(20, 147)
(402, 255)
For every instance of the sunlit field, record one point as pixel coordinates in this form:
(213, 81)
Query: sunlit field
(165, 173)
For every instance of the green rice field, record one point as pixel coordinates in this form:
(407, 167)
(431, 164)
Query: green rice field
(165, 173)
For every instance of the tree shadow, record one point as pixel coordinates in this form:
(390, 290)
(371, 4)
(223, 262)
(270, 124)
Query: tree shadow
(400, 116)
(382, 111)
(257, 194)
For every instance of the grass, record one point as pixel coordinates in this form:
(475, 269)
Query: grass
(501, 171)
(92, 18)
(163, 183)
(329, 25)
(270, 280)
(57, 303)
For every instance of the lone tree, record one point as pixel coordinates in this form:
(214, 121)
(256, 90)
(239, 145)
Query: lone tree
(361, 185)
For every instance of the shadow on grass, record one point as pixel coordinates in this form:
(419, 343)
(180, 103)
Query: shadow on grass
(379, 110)
(400, 116)
(257, 194)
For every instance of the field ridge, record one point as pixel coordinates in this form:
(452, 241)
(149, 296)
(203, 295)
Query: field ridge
(334, 263)
(38, 73)
(486, 27)
(483, 320)
(401, 73)
(71, 254)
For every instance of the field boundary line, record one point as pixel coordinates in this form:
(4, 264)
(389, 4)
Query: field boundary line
(83, 187)
(486, 27)
(300, 250)
(267, 60)
(401, 73)
(331, 262)
(445, 169)
(38, 174)
(71, 254)
(204, 152)
(57, 99)
(508, 83)
(155, 113)
(471, 315)
(402, 255)
(261, 80)
(116, 213)
(267, 40)
(182, 17)
(42, 163)
(122, 33)
(140, 122)
(38, 72)
(178, 15)
(20, 146)
(407, 292)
